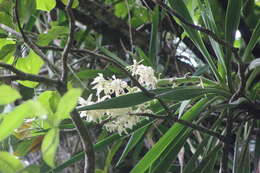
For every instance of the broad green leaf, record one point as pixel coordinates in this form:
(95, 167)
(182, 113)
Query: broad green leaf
(26, 10)
(30, 64)
(49, 100)
(67, 104)
(8, 94)
(6, 8)
(74, 5)
(45, 5)
(9, 163)
(6, 41)
(253, 41)
(140, 16)
(121, 10)
(6, 52)
(44, 39)
(176, 94)
(14, 119)
(167, 139)
(49, 146)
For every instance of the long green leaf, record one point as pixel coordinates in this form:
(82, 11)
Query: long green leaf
(171, 153)
(133, 141)
(207, 160)
(192, 161)
(209, 22)
(181, 8)
(111, 154)
(253, 41)
(113, 56)
(168, 138)
(176, 94)
(231, 24)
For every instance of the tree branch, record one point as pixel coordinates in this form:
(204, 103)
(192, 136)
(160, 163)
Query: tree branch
(69, 43)
(10, 30)
(20, 75)
(31, 45)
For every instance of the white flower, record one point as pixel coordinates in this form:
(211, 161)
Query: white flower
(109, 87)
(91, 115)
(101, 84)
(121, 119)
(122, 123)
(117, 86)
(145, 74)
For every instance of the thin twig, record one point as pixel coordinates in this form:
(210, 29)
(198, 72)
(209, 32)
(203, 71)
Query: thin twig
(185, 123)
(31, 45)
(129, 25)
(69, 43)
(20, 75)
(10, 30)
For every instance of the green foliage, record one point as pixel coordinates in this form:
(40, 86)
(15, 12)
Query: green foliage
(49, 146)
(205, 78)
(66, 104)
(47, 5)
(15, 118)
(74, 5)
(55, 32)
(8, 94)
(9, 163)
(30, 64)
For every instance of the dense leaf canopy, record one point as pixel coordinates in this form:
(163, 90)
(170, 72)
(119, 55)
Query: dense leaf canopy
(112, 86)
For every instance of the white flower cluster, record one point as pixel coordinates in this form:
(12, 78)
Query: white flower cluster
(120, 119)
(145, 74)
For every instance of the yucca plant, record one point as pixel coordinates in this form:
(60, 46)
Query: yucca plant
(201, 118)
